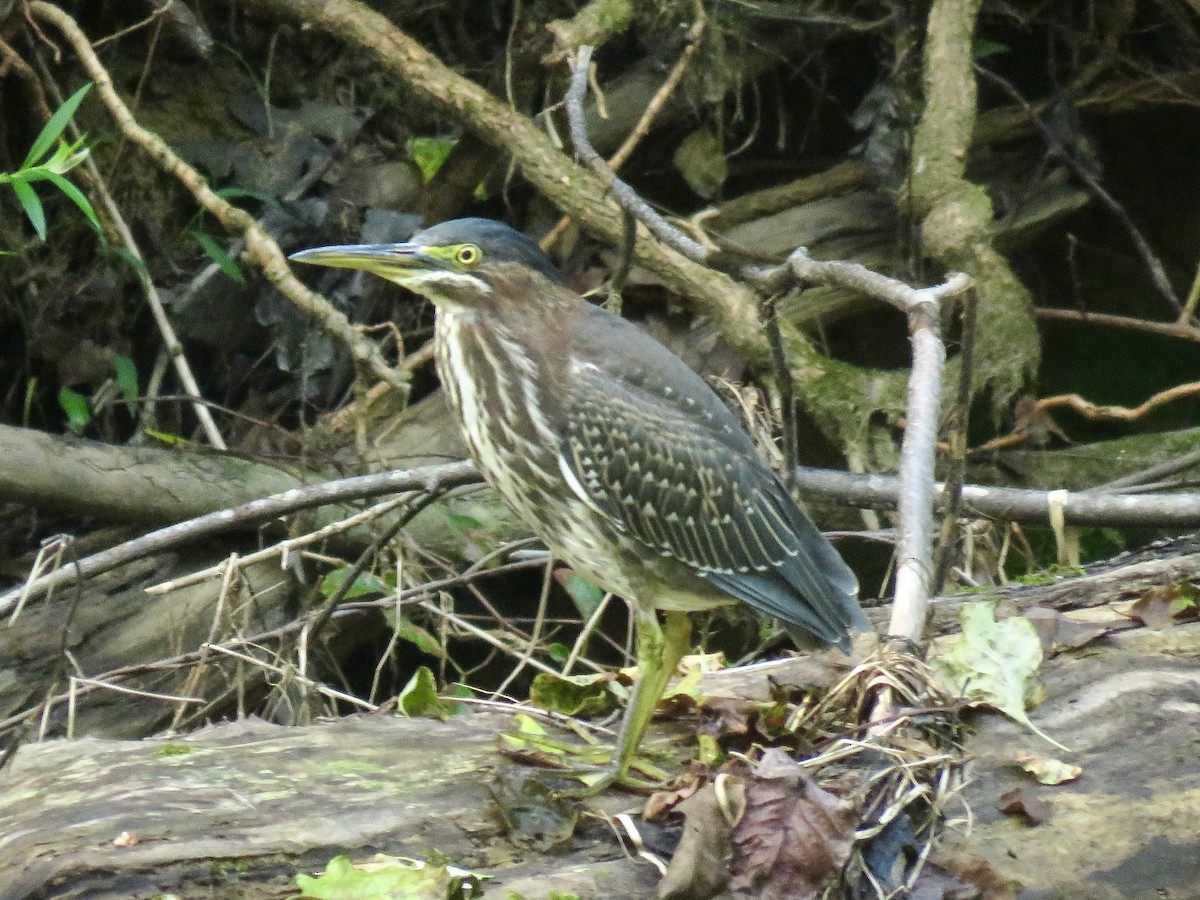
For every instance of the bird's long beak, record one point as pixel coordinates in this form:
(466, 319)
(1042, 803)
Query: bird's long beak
(385, 260)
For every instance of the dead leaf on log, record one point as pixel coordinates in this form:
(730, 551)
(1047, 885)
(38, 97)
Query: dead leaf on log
(660, 803)
(992, 663)
(1160, 607)
(1023, 802)
(985, 882)
(1047, 769)
(794, 835)
(727, 715)
(1058, 632)
(699, 866)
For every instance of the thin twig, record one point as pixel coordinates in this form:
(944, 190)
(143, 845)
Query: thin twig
(1020, 504)
(783, 384)
(1098, 412)
(1152, 474)
(1180, 329)
(957, 437)
(626, 195)
(245, 515)
(646, 120)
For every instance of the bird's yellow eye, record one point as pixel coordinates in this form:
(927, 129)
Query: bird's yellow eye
(467, 255)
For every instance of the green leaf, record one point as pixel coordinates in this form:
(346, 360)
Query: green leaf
(65, 157)
(984, 49)
(429, 153)
(29, 201)
(127, 378)
(587, 596)
(420, 698)
(462, 524)
(560, 653)
(991, 663)
(75, 405)
(136, 264)
(217, 254)
(575, 695)
(55, 127)
(366, 583)
(388, 878)
(171, 440)
(76, 196)
(700, 159)
(414, 634)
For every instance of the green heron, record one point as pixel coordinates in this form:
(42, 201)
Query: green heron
(619, 456)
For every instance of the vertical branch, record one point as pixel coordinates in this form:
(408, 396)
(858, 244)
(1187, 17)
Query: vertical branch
(917, 453)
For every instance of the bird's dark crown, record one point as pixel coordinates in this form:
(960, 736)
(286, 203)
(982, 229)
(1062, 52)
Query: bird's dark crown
(496, 241)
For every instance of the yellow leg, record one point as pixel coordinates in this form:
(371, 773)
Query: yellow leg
(659, 649)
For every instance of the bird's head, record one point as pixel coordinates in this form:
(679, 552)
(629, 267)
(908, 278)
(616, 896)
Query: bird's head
(464, 263)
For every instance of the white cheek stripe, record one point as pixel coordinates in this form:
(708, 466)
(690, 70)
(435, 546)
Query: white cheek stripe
(433, 284)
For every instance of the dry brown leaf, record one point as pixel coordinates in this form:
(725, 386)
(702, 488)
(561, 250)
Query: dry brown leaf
(975, 871)
(1024, 802)
(1046, 769)
(793, 837)
(699, 866)
(728, 715)
(660, 803)
(1058, 632)
(1153, 609)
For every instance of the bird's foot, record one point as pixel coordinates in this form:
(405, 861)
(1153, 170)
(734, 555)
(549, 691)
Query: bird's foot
(595, 780)
(591, 763)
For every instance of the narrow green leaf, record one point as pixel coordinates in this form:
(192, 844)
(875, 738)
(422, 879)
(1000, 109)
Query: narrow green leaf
(75, 405)
(66, 156)
(461, 524)
(55, 127)
(363, 585)
(76, 196)
(171, 440)
(587, 596)
(31, 175)
(420, 638)
(136, 264)
(29, 201)
(127, 378)
(984, 49)
(217, 254)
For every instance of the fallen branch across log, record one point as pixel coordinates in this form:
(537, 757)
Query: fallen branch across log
(868, 491)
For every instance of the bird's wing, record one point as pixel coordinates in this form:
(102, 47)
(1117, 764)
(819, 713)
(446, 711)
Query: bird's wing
(680, 485)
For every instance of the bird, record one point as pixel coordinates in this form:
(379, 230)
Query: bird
(610, 448)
